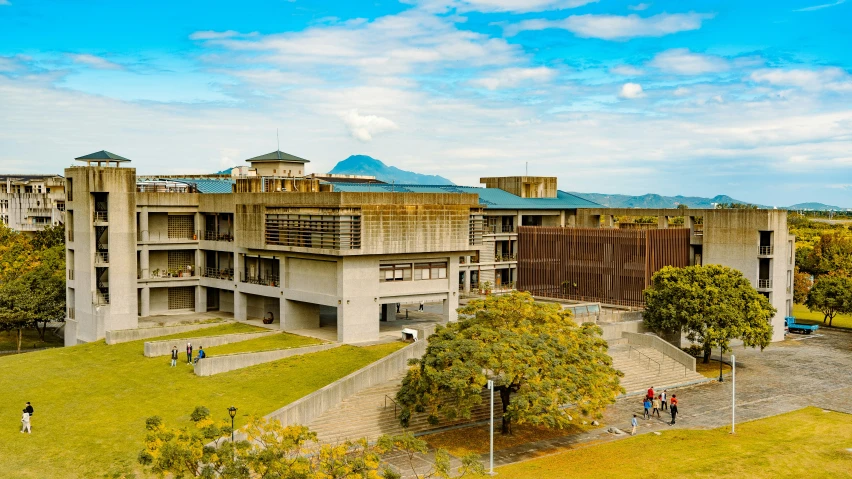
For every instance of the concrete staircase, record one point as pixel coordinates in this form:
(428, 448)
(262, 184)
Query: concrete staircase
(646, 367)
(370, 413)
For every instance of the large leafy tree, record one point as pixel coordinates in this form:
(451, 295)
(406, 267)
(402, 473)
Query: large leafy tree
(831, 295)
(831, 254)
(712, 304)
(539, 359)
(802, 284)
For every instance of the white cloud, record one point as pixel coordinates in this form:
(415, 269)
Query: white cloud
(820, 7)
(626, 70)
(683, 62)
(363, 127)
(718, 99)
(826, 79)
(95, 62)
(681, 91)
(617, 27)
(512, 77)
(631, 91)
(514, 6)
(639, 7)
(214, 35)
(5, 2)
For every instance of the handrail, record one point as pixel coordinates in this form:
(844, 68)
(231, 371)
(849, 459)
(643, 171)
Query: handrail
(394, 404)
(631, 348)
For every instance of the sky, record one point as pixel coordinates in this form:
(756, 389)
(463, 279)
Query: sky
(752, 99)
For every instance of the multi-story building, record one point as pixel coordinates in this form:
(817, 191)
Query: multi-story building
(277, 244)
(29, 203)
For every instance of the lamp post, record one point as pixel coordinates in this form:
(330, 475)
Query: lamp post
(491, 431)
(721, 350)
(232, 411)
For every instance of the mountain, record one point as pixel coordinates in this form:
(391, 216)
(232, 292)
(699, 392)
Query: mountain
(655, 201)
(365, 165)
(815, 207)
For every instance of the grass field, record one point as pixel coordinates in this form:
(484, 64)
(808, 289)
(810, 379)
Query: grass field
(266, 343)
(227, 328)
(30, 340)
(91, 401)
(475, 439)
(760, 449)
(800, 312)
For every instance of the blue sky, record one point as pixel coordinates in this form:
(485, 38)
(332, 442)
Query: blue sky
(747, 98)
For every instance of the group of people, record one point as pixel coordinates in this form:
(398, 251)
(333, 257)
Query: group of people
(201, 354)
(653, 404)
(26, 419)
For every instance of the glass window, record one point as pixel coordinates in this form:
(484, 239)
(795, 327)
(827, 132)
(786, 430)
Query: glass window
(395, 272)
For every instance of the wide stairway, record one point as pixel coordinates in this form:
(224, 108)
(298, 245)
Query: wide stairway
(646, 367)
(371, 413)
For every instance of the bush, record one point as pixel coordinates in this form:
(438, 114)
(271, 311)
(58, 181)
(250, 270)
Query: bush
(694, 350)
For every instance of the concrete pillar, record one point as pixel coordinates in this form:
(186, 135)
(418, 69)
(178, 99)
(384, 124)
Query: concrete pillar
(467, 281)
(144, 262)
(519, 221)
(299, 315)
(240, 306)
(608, 221)
(562, 218)
(389, 312)
(662, 222)
(450, 305)
(143, 223)
(357, 320)
(200, 299)
(199, 225)
(145, 307)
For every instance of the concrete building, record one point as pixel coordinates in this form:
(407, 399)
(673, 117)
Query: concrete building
(29, 203)
(276, 244)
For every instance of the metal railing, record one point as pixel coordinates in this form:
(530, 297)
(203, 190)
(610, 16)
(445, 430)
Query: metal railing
(641, 354)
(505, 257)
(268, 280)
(70, 274)
(227, 274)
(71, 313)
(698, 229)
(171, 273)
(101, 257)
(218, 236)
(100, 299)
(494, 229)
(100, 217)
(764, 283)
(394, 403)
(163, 237)
(764, 250)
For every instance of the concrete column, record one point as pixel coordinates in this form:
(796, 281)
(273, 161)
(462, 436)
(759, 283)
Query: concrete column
(199, 225)
(519, 221)
(144, 261)
(143, 223)
(240, 306)
(389, 312)
(608, 221)
(467, 281)
(451, 304)
(662, 222)
(200, 299)
(357, 320)
(299, 315)
(146, 302)
(562, 218)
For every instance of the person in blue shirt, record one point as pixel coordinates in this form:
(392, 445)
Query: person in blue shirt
(201, 354)
(647, 404)
(635, 424)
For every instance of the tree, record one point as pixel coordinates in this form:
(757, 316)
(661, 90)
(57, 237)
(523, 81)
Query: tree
(271, 450)
(831, 254)
(831, 295)
(712, 304)
(539, 359)
(802, 283)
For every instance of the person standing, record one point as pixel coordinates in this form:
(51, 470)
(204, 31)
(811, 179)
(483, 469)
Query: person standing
(421, 306)
(174, 355)
(25, 422)
(673, 409)
(29, 410)
(635, 424)
(397, 308)
(656, 403)
(647, 404)
(188, 352)
(650, 394)
(664, 400)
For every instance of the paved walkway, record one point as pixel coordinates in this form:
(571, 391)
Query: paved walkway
(801, 371)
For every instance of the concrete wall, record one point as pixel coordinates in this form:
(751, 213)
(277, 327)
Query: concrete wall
(318, 276)
(614, 331)
(164, 348)
(230, 362)
(126, 335)
(655, 342)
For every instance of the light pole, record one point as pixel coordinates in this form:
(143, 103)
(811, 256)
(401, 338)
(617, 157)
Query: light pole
(721, 379)
(232, 411)
(491, 431)
(733, 393)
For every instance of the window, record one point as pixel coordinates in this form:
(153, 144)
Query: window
(430, 271)
(326, 231)
(395, 272)
(69, 189)
(182, 298)
(181, 226)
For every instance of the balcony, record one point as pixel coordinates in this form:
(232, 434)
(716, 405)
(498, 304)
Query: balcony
(268, 280)
(71, 274)
(71, 313)
(764, 284)
(169, 273)
(166, 237)
(218, 236)
(764, 251)
(100, 299)
(698, 229)
(100, 217)
(494, 229)
(505, 257)
(215, 273)
(102, 257)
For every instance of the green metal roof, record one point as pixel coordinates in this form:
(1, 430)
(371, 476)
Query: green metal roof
(224, 185)
(279, 155)
(102, 155)
(491, 197)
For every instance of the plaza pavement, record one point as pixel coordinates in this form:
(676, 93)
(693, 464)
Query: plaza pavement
(798, 372)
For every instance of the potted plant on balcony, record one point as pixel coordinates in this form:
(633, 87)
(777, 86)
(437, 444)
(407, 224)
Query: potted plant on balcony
(486, 288)
(155, 273)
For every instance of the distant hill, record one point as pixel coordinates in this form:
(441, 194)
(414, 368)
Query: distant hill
(365, 165)
(815, 207)
(655, 201)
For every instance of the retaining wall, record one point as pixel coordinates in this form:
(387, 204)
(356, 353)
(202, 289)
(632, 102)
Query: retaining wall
(164, 348)
(614, 331)
(308, 408)
(229, 362)
(655, 342)
(126, 335)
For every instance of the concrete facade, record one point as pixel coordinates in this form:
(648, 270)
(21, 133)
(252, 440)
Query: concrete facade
(29, 203)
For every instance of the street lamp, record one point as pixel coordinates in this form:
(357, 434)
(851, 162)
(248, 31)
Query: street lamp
(232, 411)
(721, 350)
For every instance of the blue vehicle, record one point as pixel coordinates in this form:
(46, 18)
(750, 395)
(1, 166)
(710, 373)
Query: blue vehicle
(794, 327)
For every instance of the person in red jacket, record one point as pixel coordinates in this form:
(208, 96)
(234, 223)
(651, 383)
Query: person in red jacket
(650, 394)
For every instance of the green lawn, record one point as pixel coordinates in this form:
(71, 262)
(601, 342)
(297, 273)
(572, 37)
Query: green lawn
(800, 312)
(228, 328)
(266, 343)
(761, 450)
(91, 401)
(9, 340)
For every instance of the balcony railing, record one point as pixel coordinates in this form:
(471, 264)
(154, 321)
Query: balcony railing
(100, 298)
(100, 217)
(227, 274)
(494, 229)
(70, 274)
(764, 250)
(764, 283)
(218, 236)
(698, 229)
(165, 237)
(505, 257)
(170, 273)
(71, 313)
(101, 257)
(268, 280)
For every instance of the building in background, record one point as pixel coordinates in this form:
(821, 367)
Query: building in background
(29, 203)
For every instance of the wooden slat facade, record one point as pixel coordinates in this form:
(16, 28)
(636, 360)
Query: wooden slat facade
(603, 265)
